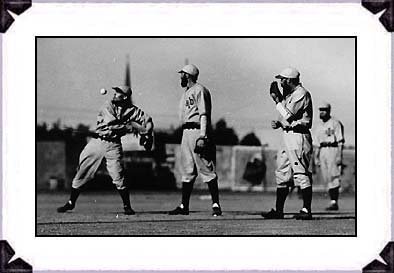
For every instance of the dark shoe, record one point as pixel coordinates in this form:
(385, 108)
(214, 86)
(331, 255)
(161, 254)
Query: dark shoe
(66, 207)
(179, 211)
(272, 214)
(128, 210)
(332, 207)
(216, 211)
(302, 215)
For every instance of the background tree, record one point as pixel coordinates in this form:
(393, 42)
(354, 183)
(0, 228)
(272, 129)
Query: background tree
(224, 135)
(250, 140)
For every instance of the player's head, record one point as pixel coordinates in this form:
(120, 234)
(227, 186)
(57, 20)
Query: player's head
(189, 73)
(122, 94)
(289, 78)
(325, 111)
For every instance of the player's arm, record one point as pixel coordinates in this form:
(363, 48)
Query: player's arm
(339, 135)
(108, 122)
(298, 112)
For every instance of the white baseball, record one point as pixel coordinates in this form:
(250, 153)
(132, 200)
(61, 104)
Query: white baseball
(103, 91)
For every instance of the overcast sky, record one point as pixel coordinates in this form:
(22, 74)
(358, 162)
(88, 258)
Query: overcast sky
(237, 71)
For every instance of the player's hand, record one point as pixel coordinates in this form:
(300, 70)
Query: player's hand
(275, 93)
(338, 160)
(201, 147)
(146, 140)
(275, 124)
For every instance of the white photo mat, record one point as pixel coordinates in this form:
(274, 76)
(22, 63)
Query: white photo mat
(202, 253)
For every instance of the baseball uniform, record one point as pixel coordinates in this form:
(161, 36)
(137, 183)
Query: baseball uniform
(293, 159)
(195, 102)
(329, 136)
(112, 123)
(116, 118)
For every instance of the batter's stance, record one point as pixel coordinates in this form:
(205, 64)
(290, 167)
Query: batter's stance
(293, 159)
(197, 149)
(329, 154)
(116, 118)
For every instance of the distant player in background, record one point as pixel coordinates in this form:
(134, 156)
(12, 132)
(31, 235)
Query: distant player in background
(198, 152)
(115, 119)
(294, 158)
(329, 154)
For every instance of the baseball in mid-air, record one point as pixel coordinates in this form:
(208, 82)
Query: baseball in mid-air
(103, 91)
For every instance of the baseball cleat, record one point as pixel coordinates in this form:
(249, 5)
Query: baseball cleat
(179, 211)
(216, 210)
(303, 215)
(332, 207)
(272, 214)
(128, 210)
(66, 207)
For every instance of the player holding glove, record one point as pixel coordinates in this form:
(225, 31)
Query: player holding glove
(197, 152)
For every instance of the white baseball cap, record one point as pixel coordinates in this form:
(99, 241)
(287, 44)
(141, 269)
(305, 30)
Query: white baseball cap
(288, 73)
(325, 105)
(126, 90)
(190, 69)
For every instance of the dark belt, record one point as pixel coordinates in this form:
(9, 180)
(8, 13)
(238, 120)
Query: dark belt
(114, 140)
(297, 130)
(191, 125)
(326, 144)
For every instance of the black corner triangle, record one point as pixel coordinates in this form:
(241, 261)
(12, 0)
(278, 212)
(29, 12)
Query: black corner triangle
(387, 255)
(16, 266)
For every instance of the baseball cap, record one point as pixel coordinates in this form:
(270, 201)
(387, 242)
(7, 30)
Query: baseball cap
(190, 69)
(288, 73)
(325, 105)
(124, 89)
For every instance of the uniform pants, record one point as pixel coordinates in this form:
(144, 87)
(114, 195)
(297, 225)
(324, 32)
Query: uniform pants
(293, 161)
(192, 163)
(330, 170)
(91, 157)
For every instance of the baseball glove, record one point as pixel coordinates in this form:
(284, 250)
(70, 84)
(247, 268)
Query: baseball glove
(275, 92)
(202, 146)
(146, 140)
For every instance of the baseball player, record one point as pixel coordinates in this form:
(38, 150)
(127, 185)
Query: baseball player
(197, 149)
(116, 118)
(329, 154)
(293, 159)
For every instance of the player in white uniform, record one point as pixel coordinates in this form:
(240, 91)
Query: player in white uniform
(198, 153)
(293, 159)
(329, 154)
(114, 120)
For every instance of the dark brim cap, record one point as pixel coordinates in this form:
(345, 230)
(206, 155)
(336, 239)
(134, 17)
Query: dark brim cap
(126, 90)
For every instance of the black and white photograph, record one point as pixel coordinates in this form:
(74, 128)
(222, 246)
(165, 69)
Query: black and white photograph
(196, 136)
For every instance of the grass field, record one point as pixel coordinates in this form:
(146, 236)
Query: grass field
(100, 214)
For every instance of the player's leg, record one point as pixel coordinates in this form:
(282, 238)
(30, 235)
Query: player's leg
(89, 161)
(189, 174)
(206, 169)
(283, 175)
(113, 157)
(300, 160)
(334, 174)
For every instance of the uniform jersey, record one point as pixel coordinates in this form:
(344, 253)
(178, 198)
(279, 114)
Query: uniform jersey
(293, 160)
(299, 109)
(112, 119)
(329, 135)
(195, 102)
(330, 132)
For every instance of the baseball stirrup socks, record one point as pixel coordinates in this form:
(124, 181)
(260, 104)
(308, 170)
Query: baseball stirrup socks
(187, 188)
(281, 194)
(307, 198)
(214, 190)
(74, 196)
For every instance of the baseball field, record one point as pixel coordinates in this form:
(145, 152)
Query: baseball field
(101, 214)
